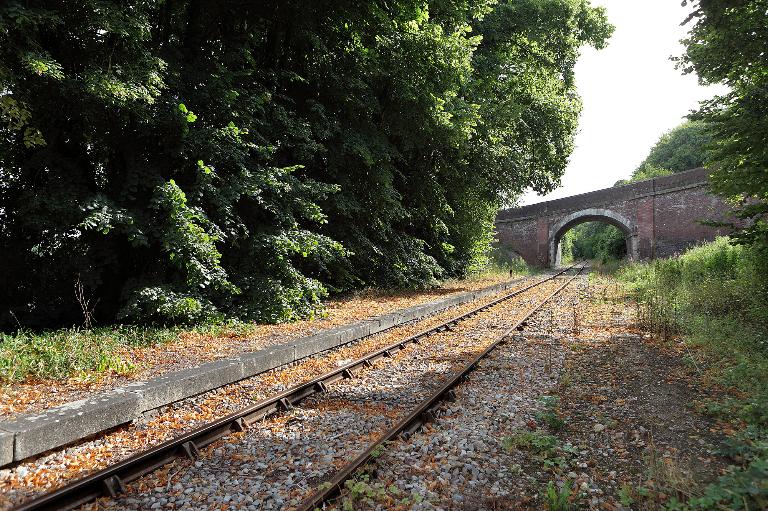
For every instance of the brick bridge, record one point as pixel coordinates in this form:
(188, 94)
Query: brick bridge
(659, 217)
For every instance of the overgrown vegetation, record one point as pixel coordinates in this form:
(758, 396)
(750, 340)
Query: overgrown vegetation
(550, 415)
(680, 149)
(90, 353)
(726, 44)
(594, 241)
(716, 296)
(504, 261)
(360, 491)
(191, 161)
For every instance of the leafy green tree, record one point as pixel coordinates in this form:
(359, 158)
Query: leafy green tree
(593, 240)
(727, 44)
(682, 148)
(642, 173)
(190, 160)
(143, 165)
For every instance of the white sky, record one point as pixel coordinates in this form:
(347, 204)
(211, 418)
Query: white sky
(631, 92)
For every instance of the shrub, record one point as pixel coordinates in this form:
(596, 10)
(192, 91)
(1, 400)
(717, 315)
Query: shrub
(716, 295)
(161, 305)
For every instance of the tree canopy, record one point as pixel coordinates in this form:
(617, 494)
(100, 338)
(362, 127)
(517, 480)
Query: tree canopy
(682, 148)
(187, 160)
(727, 44)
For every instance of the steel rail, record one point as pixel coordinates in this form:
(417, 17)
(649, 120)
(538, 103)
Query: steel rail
(425, 412)
(111, 480)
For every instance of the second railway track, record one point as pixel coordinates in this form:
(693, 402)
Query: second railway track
(273, 460)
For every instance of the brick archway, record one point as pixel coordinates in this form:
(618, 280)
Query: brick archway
(660, 217)
(625, 225)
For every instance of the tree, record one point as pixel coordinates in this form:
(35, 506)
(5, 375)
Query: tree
(594, 240)
(642, 173)
(682, 148)
(727, 44)
(190, 160)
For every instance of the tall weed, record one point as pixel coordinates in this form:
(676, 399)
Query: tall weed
(74, 352)
(716, 296)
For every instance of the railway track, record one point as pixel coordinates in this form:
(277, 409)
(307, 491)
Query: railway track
(113, 480)
(422, 414)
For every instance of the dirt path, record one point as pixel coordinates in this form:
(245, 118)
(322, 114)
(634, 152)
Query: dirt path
(631, 437)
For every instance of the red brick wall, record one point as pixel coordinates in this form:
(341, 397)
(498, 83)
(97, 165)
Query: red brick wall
(644, 219)
(542, 241)
(519, 238)
(679, 216)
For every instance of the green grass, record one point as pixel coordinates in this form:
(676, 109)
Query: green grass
(502, 261)
(88, 353)
(557, 499)
(82, 353)
(550, 415)
(532, 441)
(716, 297)
(495, 270)
(608, 265)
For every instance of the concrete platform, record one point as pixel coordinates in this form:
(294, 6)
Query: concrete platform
(6, 447)
(36, 433)
(33, 434)
(179, 385)
(260, 361)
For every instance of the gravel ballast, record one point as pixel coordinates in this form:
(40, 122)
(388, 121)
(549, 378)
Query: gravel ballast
(276, 463)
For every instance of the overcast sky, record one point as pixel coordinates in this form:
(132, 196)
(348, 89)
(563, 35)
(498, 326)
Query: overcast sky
(632, 94)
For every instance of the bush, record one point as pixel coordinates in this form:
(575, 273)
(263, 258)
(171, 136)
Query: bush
(160, 305)
(716, 295)
(716, 281)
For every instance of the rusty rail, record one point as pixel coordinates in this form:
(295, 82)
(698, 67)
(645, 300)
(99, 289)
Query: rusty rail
(419, 416)
(111, 480)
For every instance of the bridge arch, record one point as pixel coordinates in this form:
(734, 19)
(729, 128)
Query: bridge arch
(558, 229)
(660, 217)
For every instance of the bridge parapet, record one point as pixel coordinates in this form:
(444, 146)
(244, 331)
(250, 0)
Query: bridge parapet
(655, 186)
